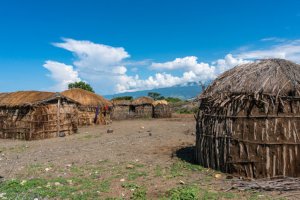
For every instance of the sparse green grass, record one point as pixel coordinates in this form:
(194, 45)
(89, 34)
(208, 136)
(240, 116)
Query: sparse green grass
(179, 168)
(139, 194)
(131, 186)
(136, 174)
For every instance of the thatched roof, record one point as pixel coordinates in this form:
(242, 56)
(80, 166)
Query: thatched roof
(86, 98)
(276, 77)
(27, 98)
(121, 102)
(160, 102)
(142, 101)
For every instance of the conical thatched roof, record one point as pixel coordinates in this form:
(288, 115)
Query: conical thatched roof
(86, 98)
(160, 102)
(142, 101)
(26, 98)
(275, 77)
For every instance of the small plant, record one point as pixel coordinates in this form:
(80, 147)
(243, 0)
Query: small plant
(131, 186)
(184, 193)
(136, 174)
(139, 194)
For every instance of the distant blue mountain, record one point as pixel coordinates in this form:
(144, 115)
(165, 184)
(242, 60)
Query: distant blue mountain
(182, 92)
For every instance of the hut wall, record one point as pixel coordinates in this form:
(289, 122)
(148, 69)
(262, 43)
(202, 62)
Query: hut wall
(250, 138)
(121, 112)
(144, 111)
(30, 123)
(162, 111)
(86, 116)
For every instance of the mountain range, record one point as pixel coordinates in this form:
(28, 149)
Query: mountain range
(183, 92)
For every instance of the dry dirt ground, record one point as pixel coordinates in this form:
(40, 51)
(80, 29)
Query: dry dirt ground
(141, 159)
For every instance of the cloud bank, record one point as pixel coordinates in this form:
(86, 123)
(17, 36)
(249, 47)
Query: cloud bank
(106, 67)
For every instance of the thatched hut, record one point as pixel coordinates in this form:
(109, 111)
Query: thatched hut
(34, 115)
(143, 107)
(122, 109)
(161, 109)
(92, 109)
(249, 120)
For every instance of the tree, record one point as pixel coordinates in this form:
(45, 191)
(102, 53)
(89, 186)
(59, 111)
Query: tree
(81, 85)
(155, 96)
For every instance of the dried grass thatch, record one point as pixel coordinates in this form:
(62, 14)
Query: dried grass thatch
(121, 102)
(275, 77)
(86, 98)
(142, 101)
(36, 115)
(26, 98)
(161, 109)
(160, 102)
(249, 120)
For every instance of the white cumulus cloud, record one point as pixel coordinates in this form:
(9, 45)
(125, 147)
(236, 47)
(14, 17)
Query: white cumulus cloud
(62, 74)
(106, 67)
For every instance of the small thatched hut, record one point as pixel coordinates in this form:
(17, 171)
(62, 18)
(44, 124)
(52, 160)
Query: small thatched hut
(33, 115)
(143, 107)
(92, 109)
(122, 109)
(249, 120)
(161, 109)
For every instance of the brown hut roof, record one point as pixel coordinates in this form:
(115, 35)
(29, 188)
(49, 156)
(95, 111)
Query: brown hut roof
(276, 77)
(121, 102)
(86, 98)
(160, 102)
(142, 101)
(26, 98)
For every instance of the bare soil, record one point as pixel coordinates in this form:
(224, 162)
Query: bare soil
(156, 154)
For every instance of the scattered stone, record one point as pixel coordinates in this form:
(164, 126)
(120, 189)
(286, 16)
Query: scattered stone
(122, 180)
(110, 130)
(23, 182)
(69, 165)
(129, 166)
(2, 195)
(61, 134)
(57, 184)
(181, 182)
(229, 177)
(48, 169)
(218, 176)
(142, 127)
(70, 182)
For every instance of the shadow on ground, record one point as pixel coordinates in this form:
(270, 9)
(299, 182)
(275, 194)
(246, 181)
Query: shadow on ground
(187, 154)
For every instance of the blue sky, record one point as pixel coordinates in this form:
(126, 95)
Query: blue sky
(119, 46)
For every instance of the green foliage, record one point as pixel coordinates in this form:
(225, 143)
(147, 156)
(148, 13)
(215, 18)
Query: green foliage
(184, 193)
(123, 98)
(155, 96)
(187, 110)
(81, 85)
(139, 194)
(173, 99)
(131, 186)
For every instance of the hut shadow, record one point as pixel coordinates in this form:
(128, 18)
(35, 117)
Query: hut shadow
(186, 154)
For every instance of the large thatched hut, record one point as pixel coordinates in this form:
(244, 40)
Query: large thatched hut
(122, 109)
(92, 109)
(161, 109)
(143, 107)
(249, 120)
(33, 115)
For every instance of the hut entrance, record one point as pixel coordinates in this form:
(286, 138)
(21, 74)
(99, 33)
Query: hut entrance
(131, 109)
